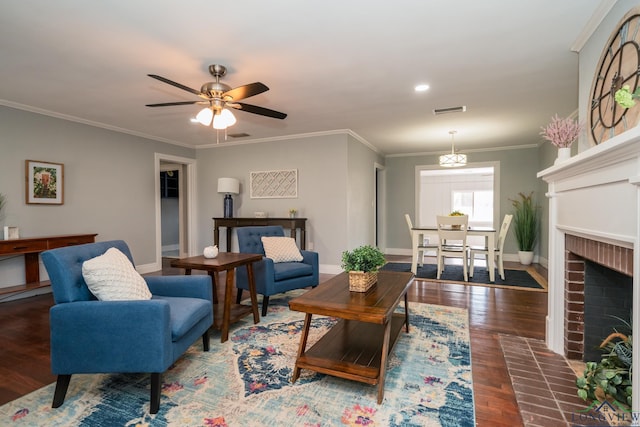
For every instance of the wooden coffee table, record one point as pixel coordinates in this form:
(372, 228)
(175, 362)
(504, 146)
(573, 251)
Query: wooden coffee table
(225, 261)
(356, 348)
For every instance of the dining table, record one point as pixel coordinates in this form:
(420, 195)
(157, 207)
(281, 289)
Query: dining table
(489, 233)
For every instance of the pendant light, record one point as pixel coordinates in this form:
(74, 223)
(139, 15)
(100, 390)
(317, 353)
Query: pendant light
(454, 159)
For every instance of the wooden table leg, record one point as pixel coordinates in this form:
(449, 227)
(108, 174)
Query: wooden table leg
(406, 311)
(253, 294)
(215, 279)
(383, 361)
(226, 313)
(302, 347)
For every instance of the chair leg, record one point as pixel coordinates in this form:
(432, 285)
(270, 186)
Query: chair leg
(439, 266)
(500, 267)
(472, 255)
(239, 295)
(265, 304)
(62, 384)
(156, 389)
(464, 268)
(205, 340)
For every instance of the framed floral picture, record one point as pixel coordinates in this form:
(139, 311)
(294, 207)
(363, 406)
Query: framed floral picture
(44, 182)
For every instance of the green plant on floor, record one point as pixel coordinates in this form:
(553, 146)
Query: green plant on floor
(526, 219)
(609, 379)
(364, 258)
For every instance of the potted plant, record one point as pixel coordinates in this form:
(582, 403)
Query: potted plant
(456, 213)
(362, 264)
(526, 219)
(610, 378)
(562, 133)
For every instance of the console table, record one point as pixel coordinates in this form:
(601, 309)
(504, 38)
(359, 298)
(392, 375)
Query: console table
(31, 248)
(293, 224)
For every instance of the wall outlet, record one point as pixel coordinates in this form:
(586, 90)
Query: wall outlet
(310, 246)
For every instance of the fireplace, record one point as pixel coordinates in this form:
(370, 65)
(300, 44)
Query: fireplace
(598, 291)
(594, 216)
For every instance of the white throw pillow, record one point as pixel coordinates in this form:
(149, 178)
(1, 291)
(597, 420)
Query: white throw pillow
(112, 277)
(281, 249)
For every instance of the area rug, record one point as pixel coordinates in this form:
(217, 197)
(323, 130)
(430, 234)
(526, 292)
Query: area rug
(246, 382)
(454, 273)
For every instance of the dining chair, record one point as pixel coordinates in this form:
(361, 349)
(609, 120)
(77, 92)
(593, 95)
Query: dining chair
(499, 252)
(418, 247)
(452, 241)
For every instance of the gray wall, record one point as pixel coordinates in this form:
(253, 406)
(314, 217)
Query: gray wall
(335, 187)
(361, 194)
(518, 169)
(109, 183)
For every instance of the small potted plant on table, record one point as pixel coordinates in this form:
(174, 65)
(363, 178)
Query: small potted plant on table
(362, 264)
(456, 213)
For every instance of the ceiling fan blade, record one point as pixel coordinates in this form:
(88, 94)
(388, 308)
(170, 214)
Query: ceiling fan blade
(169, 104)
(261, 110)
(178, 85)
(245, 91)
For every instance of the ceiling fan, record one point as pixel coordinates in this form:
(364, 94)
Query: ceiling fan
(219, 97)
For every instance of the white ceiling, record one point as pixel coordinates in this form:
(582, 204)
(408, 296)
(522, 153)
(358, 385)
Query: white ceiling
(330, 65)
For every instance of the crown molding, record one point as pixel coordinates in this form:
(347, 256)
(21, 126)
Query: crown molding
(592, 25)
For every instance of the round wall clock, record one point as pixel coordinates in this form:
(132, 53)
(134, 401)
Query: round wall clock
(618, 66)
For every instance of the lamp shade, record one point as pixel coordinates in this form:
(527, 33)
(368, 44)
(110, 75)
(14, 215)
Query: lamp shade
(224, 119)
(228, 185)
(204, 116)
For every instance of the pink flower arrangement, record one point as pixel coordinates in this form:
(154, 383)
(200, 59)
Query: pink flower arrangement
(561, 132)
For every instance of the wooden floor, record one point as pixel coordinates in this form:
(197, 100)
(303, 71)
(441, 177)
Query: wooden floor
(24, 334)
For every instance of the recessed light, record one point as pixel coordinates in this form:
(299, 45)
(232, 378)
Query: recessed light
(421, 87)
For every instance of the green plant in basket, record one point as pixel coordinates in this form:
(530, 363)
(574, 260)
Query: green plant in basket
(456, 213)
(610, 378)
(364, 258)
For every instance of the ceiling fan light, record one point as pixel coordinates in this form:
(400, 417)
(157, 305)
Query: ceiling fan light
(229, 117)
(224, 119)
(204, 116)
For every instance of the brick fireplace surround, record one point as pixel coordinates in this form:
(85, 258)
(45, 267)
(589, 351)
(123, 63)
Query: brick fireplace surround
(594, 214)
(577, 250)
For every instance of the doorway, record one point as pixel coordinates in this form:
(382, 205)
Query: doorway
(175, 210)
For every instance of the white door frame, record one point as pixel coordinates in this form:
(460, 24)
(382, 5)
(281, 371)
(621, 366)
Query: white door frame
(189, 186)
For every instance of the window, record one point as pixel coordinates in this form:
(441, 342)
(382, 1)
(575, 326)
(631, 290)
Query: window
(470, 190)
(477, 204)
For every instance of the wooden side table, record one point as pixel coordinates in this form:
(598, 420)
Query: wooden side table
(31, 248)
(225, 261)
(230, 223)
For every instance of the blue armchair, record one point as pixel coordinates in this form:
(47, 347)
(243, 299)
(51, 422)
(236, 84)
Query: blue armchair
(274, 278)
(91, 336)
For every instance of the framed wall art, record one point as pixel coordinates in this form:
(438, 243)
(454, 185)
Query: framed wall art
(44, 182)
(277, 184)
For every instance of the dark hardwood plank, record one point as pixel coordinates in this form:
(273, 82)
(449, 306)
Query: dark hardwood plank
(24, 354)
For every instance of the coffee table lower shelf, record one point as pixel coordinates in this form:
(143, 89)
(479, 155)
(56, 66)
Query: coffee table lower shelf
(351, 350)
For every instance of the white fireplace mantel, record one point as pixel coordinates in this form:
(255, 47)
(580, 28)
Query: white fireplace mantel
(595, 195)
